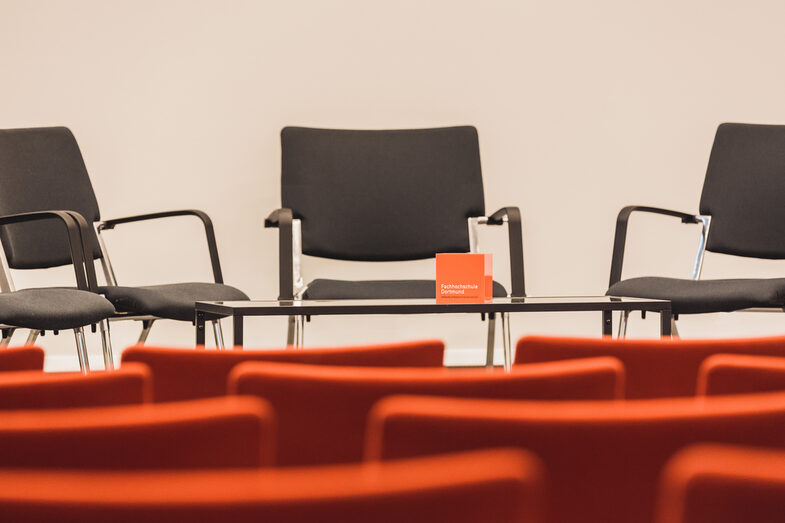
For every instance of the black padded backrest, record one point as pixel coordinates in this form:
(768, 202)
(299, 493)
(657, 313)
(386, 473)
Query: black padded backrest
(382, 195)
(42, 169)
(744, 191)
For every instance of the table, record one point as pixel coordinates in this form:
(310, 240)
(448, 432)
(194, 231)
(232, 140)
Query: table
(238, 310)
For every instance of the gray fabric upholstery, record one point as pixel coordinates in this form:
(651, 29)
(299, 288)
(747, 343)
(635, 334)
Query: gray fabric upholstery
(323, 289)
(174, 301)
(53, 308)
(42, 169)
(744, 190)
(702, 296)
(382, 195)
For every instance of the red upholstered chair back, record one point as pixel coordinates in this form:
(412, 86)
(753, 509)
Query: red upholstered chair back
(212, 433)
(723, 484)
(740, 374)
(322, 410)
(21, 358)
(38, 390)
(499, 486)
(655, 368)
(180, 374)
(602, 459)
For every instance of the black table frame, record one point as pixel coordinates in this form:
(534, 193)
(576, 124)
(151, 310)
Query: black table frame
(207, 310)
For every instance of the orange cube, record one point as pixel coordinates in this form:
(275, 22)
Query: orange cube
(464, 277)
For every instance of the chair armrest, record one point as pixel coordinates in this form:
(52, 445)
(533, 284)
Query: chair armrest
(620, 237)
(74, 237)
(206, 221)
(512, 215)
(282, 220)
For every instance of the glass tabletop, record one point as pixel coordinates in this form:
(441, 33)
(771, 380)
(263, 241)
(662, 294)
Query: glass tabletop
(414, 305)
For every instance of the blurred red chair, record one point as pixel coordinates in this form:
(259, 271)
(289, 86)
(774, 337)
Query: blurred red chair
(602, 459)
(723, 484)
(321, 411)
(655, 368)
(219, 432)
(21, 358)
(499, 486)
(180, 374)
(739, 374)
(40, 390)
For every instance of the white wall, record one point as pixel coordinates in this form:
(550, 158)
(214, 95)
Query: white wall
(582, 107)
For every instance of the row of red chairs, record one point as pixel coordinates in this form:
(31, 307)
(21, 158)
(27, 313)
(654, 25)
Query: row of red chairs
(614, 449)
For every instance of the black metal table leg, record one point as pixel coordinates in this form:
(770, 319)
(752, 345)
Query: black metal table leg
(666, 317)
(199, 328)
(607, 323)
(237, 320)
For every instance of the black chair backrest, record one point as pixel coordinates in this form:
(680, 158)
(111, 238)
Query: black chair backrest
(382, 195)
(744, 191)
(42, 169)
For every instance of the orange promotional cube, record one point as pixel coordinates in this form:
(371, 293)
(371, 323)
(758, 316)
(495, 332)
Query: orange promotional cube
(464, 277)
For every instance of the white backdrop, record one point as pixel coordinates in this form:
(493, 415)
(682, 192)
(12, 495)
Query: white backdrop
(582, 107)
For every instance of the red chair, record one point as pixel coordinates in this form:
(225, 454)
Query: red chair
(738, 374)
(219, 432)
(602, 459)
(499, 486)
(655, 368)
(38, 390)
(723, 484)
(180, 374)
(21, 358)
(322, 411)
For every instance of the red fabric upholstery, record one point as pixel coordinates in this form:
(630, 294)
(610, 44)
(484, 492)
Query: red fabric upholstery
(655, 368)
(219, 432)
(180, 374)
(602, 459)
(738, 374)
(38, 390)
(499, 486)
(21, 358)
(723, 484)
(322, 410)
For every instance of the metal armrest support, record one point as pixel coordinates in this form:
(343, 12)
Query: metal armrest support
(282, 220)
(208, 229)
(74, 237)
(620, 237)
(512, 217)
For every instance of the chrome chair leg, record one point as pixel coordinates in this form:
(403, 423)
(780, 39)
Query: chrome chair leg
(218, 334)
(146, 326)
(81, 350)
(299, 332)
(290, 331)
(491, 339)
(106, 344)
(674, 329)
(7, 338)
(623, 318)
(32, 336)
(506, 341)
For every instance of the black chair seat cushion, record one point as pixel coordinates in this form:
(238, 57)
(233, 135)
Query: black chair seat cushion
(701, 296)
(174, 301)
(53, 308)
(323, 289)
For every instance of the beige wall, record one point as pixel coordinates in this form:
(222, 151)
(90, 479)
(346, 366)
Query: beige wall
(582, 107)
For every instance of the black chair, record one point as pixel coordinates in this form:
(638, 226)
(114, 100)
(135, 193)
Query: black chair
(385, 195)
(42, 168)
(741, 213)
(55, 309)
